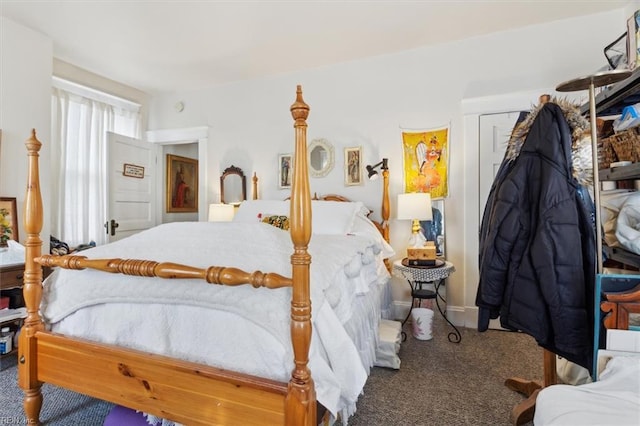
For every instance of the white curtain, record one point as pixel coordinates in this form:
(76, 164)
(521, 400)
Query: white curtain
(78, 168)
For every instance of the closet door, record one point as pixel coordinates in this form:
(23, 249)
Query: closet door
(495, 130)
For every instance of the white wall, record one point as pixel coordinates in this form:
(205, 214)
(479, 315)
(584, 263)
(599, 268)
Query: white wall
(366, 102)
(25, 104)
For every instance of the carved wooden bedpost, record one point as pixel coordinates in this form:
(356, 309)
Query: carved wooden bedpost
(386, 208)
(300, 403)
(32, 290)
(254, 188)
(385, 201)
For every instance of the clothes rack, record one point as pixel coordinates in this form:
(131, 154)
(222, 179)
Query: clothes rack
(523, 412)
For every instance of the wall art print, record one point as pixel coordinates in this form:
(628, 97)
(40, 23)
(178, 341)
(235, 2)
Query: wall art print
(426, 161)
(8, 220)
(353, 166)
(182, 184)
(285, 170)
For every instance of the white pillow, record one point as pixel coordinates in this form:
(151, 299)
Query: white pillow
(628, 229)
(250, 209)
(334, 217)
(362, 225)
(328, 217)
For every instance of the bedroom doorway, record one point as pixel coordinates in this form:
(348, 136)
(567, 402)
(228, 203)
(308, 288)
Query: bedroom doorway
(176, 137)
(482, 158)
(494, 132)
(131, 186)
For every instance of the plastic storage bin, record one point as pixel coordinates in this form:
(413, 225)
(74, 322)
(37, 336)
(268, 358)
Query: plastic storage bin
(6, 340)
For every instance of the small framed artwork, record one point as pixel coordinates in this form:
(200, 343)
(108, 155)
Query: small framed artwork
(285, 168)
(8, 220)
(182, 184)
(353, 166)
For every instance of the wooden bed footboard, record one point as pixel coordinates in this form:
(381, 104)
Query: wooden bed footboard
(186, 392)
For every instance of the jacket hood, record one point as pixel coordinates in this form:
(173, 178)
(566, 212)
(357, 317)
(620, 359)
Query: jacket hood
(581, 157)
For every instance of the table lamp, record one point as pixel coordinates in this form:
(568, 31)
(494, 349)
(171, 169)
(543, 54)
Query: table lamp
(221, 212)
(416, 206)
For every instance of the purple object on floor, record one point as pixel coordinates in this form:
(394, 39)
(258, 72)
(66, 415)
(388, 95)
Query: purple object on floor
(123, 416)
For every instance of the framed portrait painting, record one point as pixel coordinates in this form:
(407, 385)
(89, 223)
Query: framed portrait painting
(285, 169)
(353, 166)
(8, 220)
(182, 184)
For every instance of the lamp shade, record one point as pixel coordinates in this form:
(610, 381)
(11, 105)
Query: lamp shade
(371, 173)
(221, 212)
(414, 206)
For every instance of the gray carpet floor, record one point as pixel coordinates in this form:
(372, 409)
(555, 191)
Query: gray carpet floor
(439, 383)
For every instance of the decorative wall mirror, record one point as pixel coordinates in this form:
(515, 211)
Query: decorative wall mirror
(233, 186)
(321, 157)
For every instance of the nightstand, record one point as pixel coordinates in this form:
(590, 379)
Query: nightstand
(421, 277)
(11, 276)
(11, 286)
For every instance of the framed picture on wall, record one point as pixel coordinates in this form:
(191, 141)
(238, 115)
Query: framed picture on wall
(353, 166)
(285, 168)
(182, 184)
(8, 220)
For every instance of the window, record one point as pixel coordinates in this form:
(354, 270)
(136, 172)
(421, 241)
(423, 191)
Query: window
(81, 118)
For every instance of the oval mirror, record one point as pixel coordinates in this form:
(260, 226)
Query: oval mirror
(320, 157)
(233, 186)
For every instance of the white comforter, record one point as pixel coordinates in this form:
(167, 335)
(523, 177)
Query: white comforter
(612, 400)
(341, 271)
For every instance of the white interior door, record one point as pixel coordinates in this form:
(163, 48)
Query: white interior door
(132, 166)
(495, 130)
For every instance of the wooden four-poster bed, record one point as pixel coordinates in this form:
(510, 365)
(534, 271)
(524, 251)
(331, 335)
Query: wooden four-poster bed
(183, 391)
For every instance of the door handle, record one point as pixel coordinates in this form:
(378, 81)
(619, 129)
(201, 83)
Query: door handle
(106, 227)
(114, 225)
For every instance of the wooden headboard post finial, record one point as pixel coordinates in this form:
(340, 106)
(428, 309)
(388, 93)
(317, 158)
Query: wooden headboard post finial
(32, 290)
(254, 179)
(300, 403)
(386, 209)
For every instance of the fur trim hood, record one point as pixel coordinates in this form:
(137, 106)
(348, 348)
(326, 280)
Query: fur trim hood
(581, 157)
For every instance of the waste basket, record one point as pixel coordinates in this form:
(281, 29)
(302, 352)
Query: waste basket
(421, 322)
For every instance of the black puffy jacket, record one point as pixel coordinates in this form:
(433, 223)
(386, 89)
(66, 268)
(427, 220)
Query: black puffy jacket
(537, 244)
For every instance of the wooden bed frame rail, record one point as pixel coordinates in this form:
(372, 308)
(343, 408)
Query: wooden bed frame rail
(149, 268)
(186, 392)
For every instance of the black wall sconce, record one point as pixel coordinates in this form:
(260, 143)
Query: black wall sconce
(372, 173)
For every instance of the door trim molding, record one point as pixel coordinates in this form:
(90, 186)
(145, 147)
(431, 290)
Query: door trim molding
(199, 135)
(177, 136)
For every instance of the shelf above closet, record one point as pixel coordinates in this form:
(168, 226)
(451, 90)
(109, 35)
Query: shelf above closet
(620, 173)
(621, 255)
(612, 100)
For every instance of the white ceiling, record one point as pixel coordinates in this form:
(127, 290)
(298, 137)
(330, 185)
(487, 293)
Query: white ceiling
(172, 45)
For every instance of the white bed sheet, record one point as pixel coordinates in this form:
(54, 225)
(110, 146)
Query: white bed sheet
(345, 318)
(613, 400)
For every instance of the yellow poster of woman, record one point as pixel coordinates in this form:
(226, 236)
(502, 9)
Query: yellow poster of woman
(426, 161)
